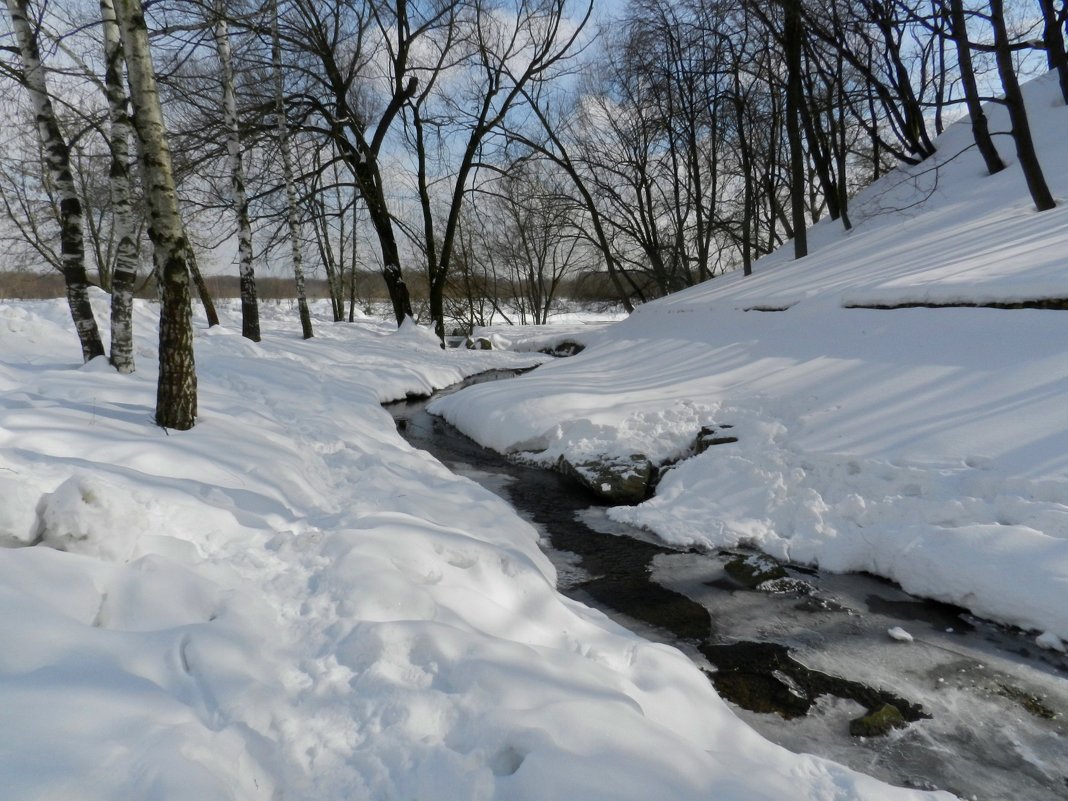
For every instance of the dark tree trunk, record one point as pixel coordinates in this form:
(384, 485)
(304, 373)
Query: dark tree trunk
(326, 256)
(371, 190)
(980, 128)
(838, 128)
(1053, 39)
(792, 33)
(437, 306)
(820, 153)
(1014, 102)
(748, 178)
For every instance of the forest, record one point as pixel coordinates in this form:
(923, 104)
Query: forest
(488, 153)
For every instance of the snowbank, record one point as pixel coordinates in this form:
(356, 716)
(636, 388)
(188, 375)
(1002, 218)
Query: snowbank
(926, 445)
(288, 602)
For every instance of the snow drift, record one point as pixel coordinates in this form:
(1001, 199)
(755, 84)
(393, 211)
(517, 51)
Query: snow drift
(289, 602)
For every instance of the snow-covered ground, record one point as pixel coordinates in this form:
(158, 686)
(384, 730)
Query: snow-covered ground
(288, 602)
(926, 445)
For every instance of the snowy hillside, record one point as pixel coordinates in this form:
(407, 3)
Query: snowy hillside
(927, 445)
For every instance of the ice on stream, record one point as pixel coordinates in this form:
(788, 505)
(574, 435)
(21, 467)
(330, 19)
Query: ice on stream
(997, 728)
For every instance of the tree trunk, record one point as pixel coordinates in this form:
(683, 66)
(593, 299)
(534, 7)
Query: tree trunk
(980, 128)
(370, 186)
(839, 130)
(1014, 102)
(371, 191)
(127, 250)
(437, 305)
(176, 391)
(792, 33)
(748, 201)
(326, 257)
(354, 262)
(287, 175)
(202, 289)
(58, 173)
(1053, 39)
(250, 311)
(820, 153)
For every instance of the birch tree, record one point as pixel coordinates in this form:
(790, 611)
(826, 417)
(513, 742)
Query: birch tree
(125, 219)
(292, 221)
(176, 391)
(57, 172)
(250, 314)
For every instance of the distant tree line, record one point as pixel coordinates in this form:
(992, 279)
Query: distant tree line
(486, 153)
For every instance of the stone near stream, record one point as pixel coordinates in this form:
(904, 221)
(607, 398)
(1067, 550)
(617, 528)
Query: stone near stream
(878, 722)
(564, 349)
(627, 480)
(1028, 701)
(710, 436)
(618, 479)
(764, 677)
(754, 569)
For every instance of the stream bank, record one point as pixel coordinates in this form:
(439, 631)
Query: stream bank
(804, 655)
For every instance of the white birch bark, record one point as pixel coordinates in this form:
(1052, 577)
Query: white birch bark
(287, 175)
(176, 391)
(57, 172)
(250, 315)
(124, 216)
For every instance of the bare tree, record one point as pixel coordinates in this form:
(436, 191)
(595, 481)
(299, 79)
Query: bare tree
(126, 221)
(502, 57)
(250, 313)
(292, 218)
(336, 49)
(793, 46)
(57, 166)
(958, 26)
(527, 232)
(176, 391)
(1054, 23)
(1014, 103)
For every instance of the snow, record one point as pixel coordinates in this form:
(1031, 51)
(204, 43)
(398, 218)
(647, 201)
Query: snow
(1050, 641)
(899, 634)
(929, 446)
(289, 602)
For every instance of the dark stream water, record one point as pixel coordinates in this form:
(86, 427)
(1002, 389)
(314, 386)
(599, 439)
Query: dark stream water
(804, 655)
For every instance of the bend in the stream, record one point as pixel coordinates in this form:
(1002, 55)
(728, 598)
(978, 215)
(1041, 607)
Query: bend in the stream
(615, 573)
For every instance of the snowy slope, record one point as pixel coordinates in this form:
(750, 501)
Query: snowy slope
(926, 445)
(289, 603)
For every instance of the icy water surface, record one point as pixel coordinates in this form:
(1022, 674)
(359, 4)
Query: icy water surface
(988, 706)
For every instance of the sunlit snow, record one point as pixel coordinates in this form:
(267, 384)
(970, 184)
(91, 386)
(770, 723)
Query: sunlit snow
(289, 602)
(926, 445)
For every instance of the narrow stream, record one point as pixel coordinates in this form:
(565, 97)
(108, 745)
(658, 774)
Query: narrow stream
(808, 652)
